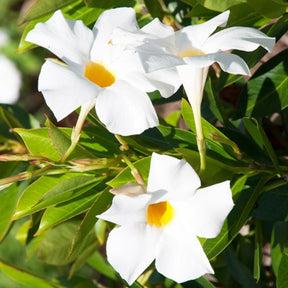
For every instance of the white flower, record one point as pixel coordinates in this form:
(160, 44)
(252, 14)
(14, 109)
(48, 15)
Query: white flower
(192, 50)
(10, 77)
(95, 68)
(163, 224)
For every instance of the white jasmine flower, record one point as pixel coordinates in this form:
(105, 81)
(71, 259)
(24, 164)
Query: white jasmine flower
(10, 77)
(164, 223)
(192, 50)
(95, 68)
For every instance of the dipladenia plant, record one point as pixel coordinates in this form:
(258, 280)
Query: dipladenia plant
(126, 195)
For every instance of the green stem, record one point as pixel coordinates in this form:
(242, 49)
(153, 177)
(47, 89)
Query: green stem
(134, 171)
(124, 145)
(76, 132)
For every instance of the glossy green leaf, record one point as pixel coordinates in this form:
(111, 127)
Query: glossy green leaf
(38, 143)
(155, 9)
(49, 190)
(100, 205)
(59, 213)
(44, 7)
(272, 206)
(106, 4)
(235, 220)
(279, 244)
(214, 103)
(267, 8)
(238, 270)
(125, 175)
(215, 171)
(55, 246)
(26, 278)
(98, 262)
(62, 142)
(219, 5)
(210, 133)
(282, 279)
(260, 137)
(82, 257)
(266, 91)
(8, 199)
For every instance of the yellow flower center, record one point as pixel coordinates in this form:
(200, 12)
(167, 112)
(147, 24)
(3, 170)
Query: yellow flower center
(160, 214)
(98, 74)
(190, 52)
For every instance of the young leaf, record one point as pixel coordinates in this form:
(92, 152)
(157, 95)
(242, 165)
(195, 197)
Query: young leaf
(50, 190)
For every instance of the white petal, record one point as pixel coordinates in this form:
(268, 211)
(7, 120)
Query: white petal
(109, 20)
(153, 58)
(180, 256)
(173, 175)
(241, 38)
(10, 81)
(63, 89)
(193, 79)
(127, 210)
(198, 34)
(69, 40)
(208, 209)
(131, 249)
(158, 29)
(125, 110)
(231, 63)
(166, 81)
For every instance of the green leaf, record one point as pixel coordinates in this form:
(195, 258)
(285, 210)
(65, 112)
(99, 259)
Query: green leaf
(125, 175)
(101, 265)
(42, 8)
(55, 246)
(107, 4)
(49, 190)
(272, 206)
(8, 199)
(260, 137)
(266, 92)
(210, 133)
(155, 9)
(99, 206)
(282, 279)
(61, 212)
(215, 171)
(235, 220)
(267, 8)
(279, 244)
(38, 143)
(26, 278)
(62, 142)
(219, 5)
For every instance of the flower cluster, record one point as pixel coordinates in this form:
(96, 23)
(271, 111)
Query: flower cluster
(112, 67)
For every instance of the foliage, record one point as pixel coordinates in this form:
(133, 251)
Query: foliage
(48, 206)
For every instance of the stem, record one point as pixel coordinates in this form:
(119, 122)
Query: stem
(24, 175)
(134, 171)
(201, 142)
(76, 132)
(124, 145)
